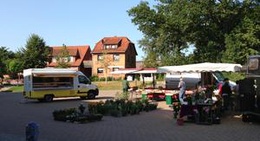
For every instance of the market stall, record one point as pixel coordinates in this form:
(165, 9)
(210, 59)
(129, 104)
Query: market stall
(146, 75)
(203, 105)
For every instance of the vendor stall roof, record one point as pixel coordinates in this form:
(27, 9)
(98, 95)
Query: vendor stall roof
(135, 71)
(201, 67)
(125, 71)
(146, 70)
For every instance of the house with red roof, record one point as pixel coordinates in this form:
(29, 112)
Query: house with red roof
(111, 54)
(79, 58)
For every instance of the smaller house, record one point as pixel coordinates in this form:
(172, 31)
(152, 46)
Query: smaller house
(79, 58)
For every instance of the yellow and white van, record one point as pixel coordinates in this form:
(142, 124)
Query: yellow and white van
(45, 84)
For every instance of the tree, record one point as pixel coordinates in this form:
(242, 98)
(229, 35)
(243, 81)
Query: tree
(210, 25)
(35, 53)
(5, 56)
(244, 40)
(105, 62)
(14, 67)
(63, 58)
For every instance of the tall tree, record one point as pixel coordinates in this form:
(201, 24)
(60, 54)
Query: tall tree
(244, 40)
(171, 26)
(35, 53)
(63, 58)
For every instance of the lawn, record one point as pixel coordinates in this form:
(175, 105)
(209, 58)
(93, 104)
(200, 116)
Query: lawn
(102, 85)
(109, 85)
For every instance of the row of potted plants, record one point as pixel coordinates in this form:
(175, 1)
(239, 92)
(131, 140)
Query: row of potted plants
(96, 110)
(76, 115)
(121, 107)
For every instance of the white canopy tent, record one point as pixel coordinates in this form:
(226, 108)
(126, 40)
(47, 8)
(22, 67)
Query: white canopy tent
(141, 72)
(204, 68)
(124, 71)
(201, 67)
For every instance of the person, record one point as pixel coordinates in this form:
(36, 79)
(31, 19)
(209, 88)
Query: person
(182, 87)
(198, 91)
(187, 109)
(125, 85)
(226, 93)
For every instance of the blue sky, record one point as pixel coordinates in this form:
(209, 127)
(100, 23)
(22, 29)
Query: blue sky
(70, 22)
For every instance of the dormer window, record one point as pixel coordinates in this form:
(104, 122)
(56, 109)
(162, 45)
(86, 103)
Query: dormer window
(114, 46)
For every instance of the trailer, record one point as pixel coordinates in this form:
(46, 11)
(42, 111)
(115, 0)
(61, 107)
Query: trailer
(249, 90)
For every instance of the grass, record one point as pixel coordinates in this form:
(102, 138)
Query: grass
(102, 85)
(17, 88)
(113, 85)
(109, 85)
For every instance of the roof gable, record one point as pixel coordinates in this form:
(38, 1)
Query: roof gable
(123, 43)
(111, 41)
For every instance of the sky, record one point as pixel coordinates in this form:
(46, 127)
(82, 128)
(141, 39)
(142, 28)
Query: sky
(69, 22)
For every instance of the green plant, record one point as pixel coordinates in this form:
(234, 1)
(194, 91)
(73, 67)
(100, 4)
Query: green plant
(121, 107)
(63, 115)
(73, 115)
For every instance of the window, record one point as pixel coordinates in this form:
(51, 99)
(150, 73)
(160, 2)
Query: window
(100, 57)
(100, 70)
(83, 79)
(115, 68)
(253, 64)
(116, 57)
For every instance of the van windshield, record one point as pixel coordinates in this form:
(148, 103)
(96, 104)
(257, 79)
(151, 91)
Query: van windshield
(219, 76)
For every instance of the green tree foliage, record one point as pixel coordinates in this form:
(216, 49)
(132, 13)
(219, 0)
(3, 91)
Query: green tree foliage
(14, 67)
(5, 56)
(63, 58)
(214, 27)
(35, 53)
(244, 40)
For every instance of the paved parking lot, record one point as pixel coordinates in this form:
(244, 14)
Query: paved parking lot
(158, 125)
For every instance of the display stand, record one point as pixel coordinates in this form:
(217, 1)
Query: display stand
(204, 114)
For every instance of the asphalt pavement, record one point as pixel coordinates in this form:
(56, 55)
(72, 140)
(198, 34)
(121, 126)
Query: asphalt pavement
(158, 125)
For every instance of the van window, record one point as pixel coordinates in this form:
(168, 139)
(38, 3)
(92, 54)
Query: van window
(83, 79)
(219, 76)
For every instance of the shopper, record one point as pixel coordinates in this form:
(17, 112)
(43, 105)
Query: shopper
(182, 87)
(125, 85)
(226, 93)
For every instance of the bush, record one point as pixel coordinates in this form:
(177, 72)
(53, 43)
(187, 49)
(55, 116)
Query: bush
(94, 78)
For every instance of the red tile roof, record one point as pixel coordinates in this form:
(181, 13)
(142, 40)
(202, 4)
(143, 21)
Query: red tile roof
(79, 52)
(123, 44)
(111, 41)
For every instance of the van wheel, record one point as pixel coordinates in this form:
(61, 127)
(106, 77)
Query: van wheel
(91, 95)
(48, 98)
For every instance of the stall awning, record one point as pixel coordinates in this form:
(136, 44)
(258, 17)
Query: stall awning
(146, 70)
(124, 71)
(135, 71)
(202, 67)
